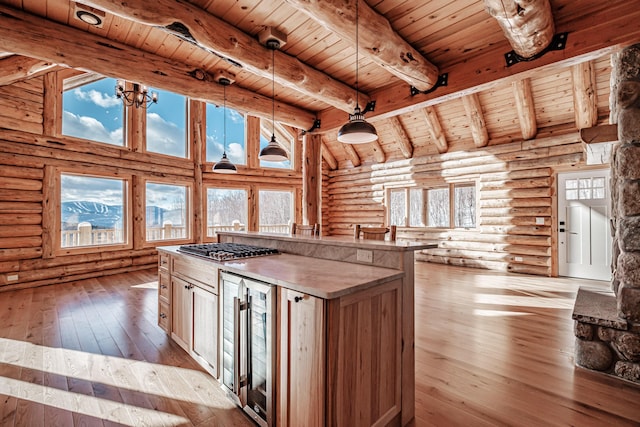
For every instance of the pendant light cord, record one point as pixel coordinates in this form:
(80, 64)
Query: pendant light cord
(273, 90)
(357, 88)
(224, 119)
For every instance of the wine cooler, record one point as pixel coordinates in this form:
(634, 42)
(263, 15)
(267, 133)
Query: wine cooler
(248, 340)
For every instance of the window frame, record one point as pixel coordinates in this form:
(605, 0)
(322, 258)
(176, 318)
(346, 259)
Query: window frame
(52, 244)
(294, 200)
(189, 228)
(187, 125)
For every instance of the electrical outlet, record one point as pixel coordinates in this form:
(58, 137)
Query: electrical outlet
(12, 277)
(364, 256)
(518, 259)
(539, 221)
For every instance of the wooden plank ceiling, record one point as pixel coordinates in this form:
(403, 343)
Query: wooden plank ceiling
(485, 102)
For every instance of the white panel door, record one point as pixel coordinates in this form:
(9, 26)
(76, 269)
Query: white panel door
(584, 236)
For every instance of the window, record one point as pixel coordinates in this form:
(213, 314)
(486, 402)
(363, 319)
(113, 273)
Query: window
(438, 207)
(283, 137)
(585, 188)
(93, 211)
(276, 211)
(92, 111)
(432, 207)
(235, 135)
(226, 210)
(167, 211)
(166, 124)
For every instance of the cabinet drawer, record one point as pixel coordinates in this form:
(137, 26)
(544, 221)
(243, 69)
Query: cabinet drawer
(163, 261)
(201, 270)
(163, 286)
(164, 315)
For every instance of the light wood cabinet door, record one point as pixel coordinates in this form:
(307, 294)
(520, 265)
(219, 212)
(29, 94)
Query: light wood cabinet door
(204, 344)
(301, 400)
(181, 312)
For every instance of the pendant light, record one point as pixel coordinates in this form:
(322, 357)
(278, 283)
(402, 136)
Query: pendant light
(224, 165)
(357, 130)
(273, 152)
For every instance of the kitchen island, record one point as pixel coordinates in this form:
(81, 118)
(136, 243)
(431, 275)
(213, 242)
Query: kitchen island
(343, 339)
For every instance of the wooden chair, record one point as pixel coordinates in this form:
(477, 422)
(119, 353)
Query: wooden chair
(375, 233)
(305, 230)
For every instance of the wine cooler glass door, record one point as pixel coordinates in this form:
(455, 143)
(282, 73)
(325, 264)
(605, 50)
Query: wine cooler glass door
(231, 286)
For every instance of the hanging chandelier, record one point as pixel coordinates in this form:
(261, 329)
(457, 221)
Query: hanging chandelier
(357, 130)
(138, 97)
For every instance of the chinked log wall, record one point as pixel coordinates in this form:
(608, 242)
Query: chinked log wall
(516, 186)
(25, 154)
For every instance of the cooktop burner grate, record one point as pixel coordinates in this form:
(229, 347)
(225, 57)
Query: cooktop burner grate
(226, 251)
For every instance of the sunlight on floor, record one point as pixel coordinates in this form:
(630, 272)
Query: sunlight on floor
(190, 385)
(148, 285)
(498, 313)
(524, 301)
(116, 412)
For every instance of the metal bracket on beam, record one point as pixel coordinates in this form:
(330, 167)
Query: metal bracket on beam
(316, 125)
(371, 105)
(558, 42)
(443, 80)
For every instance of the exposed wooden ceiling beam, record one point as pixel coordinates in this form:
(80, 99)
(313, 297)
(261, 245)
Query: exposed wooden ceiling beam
(473, 108)
(377, 39)
(435, 129)
(352, 155)
(598, 134)
(585, 100)
(24, 33)
(328, 156)
(590, 37)
(15, 68)
(378, 153)
(528, 25)
(216, 35)
(401, 137)
(525, 107)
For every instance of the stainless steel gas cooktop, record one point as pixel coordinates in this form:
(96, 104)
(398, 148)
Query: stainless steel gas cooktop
(226, 251)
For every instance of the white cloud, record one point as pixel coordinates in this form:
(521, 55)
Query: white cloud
(101, 99)
(89, 128)
(165, 137)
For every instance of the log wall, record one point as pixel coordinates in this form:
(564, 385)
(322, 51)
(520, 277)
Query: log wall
(515, 184)
(26, 153)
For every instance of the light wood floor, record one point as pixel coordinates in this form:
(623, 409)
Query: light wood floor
(491, 349)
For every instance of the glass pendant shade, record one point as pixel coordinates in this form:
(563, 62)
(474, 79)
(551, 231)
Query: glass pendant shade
(224, 165)
(273, 152)
(357, 130)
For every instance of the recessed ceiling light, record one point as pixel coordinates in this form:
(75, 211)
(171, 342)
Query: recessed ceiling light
(88, 17)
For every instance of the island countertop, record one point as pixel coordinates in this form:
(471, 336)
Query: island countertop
(322, 278)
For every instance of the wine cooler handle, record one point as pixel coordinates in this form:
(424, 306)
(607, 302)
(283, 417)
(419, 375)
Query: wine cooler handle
(236, 344)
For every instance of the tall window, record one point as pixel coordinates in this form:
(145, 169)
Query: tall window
(276, 211)
(93, 211)
(398, 206)
(92, 111)
(464, 205)
(167, 208)
(226, 210)
(416, 207)
(166, 124)
(438, 207)
(235, 135)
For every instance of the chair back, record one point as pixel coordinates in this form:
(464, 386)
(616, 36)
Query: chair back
(305, 229)
(375, 233)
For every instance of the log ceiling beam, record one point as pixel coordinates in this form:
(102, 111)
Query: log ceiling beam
(352, 155)
(435, 129)
(478, 126)
(377, 39)
(525, 107)
(24, 33)
(584, 94)
(590, 36)
(328, 156)
(214, 34)
(402, 139)
(598, 134)
(15, 68)
(528, 25)
(377, 151)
